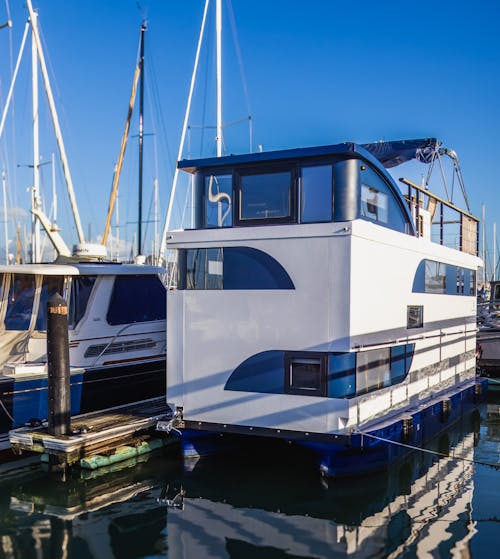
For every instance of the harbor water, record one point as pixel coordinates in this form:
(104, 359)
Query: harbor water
(267, 502)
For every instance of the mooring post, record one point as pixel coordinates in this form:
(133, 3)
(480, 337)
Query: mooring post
(59, 417)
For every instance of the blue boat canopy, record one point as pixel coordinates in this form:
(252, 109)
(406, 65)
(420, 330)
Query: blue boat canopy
(391, 154)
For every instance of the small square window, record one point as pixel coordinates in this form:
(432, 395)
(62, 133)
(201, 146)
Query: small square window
(305, 374)
(415, 316)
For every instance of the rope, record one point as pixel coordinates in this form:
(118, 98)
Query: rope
(2, 405)
(428, 451)
(489, 379)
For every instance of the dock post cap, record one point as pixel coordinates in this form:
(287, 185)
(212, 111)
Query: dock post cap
(57, 304)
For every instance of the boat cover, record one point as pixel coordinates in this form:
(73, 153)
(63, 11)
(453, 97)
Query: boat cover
(391, 154)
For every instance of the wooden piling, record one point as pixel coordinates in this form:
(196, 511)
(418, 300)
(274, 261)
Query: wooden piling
(59, 404)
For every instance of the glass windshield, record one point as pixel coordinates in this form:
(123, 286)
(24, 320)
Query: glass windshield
(81, 288)
(50, 286)
(20, 302)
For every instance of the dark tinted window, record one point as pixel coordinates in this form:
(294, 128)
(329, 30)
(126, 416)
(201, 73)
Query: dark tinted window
(20, 302)
(266, 196)
(81, 288)
(204, 268)
(50, 286)
(137, 299)
(231, 268)
(316, 194)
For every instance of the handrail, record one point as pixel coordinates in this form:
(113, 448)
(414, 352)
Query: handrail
(438, 199)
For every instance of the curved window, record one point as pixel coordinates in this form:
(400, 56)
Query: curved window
(330, 375)
(445, 279)
(231, 268)
(137, 299)
(378, 202)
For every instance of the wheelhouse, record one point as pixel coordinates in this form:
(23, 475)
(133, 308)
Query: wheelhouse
(312, 185)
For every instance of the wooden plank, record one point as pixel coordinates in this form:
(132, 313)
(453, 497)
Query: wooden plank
(96, 432)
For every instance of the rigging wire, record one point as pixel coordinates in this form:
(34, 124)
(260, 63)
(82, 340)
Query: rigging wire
(451, 455)
(239, 56)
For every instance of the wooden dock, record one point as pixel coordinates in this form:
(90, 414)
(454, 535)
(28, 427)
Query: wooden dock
(97, 433)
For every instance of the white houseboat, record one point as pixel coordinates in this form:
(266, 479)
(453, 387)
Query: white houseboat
(317, 303)
(117, 337)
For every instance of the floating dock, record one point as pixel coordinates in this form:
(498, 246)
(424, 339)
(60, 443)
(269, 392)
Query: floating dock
(99, 438)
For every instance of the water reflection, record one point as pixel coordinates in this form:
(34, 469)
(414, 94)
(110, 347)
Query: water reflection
(270, 505)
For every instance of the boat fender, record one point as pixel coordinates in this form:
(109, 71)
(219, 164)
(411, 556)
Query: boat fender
(445, 409)
(407, 430)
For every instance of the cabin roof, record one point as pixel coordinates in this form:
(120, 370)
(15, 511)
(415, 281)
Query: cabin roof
(346, 148)
(82, 269)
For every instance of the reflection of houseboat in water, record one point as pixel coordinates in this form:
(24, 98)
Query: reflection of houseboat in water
(116, 336)
(251, 511)
(271, 330)
(417, 506)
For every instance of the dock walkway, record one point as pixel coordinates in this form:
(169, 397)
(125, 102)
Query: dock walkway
(100, 432)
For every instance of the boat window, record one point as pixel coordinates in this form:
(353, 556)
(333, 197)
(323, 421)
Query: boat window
(400, 362)
(435, 277)
(137, 299)
(342, 375)
(496, 294)
(20, 302)
(81, 288)
(50, 286)
(415, 316)
(378, 201)
(445, 279)
(230, 268)
(204, 268)
(372, 370)
(316, 194)
(266, 197)
(305, 375)
(373, 204)
(218, 201)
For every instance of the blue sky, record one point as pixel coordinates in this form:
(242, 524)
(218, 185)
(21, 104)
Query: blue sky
(317, 72)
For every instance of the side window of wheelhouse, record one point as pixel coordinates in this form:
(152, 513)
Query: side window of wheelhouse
(316, 194)
(20, 302)
(137, 299)
(50, 286)
(81, 288)
(378, 202)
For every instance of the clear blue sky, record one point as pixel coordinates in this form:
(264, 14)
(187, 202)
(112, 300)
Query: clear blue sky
(317, 72)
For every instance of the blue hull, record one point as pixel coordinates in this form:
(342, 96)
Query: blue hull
(358, 453)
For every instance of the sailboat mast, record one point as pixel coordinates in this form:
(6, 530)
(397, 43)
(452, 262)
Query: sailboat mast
(5, 222)
(35, 225)
(55, 121)
(218, 33)
(141, 136)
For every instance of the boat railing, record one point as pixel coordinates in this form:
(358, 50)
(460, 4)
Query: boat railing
(113, 339)
(450, 225)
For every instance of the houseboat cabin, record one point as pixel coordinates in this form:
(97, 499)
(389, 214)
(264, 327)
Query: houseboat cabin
(314, 302)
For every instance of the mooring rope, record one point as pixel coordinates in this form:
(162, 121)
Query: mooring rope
(428, 451)
(489, 379)
(2, 405)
